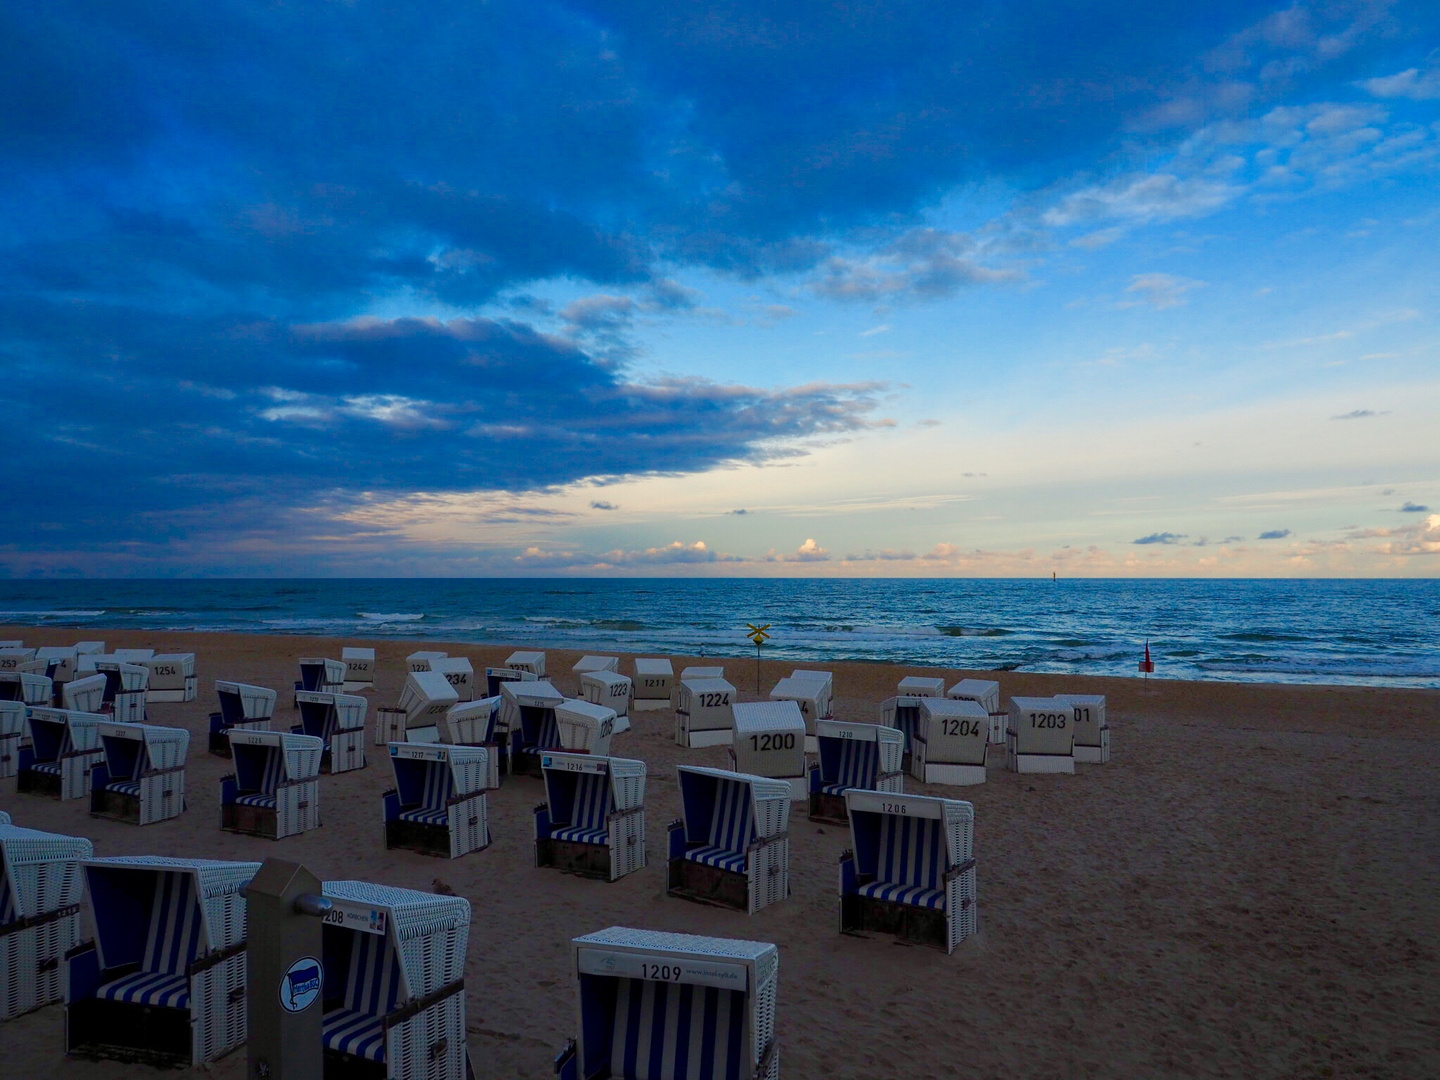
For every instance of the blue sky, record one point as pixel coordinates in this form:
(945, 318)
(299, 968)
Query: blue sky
(865, 289)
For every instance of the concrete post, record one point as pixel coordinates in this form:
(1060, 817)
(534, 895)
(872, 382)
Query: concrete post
(285, 973)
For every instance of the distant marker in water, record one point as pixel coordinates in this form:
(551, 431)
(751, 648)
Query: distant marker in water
(1053, 577)
(1147, 665)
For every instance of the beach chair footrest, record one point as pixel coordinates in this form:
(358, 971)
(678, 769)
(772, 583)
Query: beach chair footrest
(923, 926)
(829, 808)
(127, 1032)
(572, 856)
(421, 837)
(708, 884)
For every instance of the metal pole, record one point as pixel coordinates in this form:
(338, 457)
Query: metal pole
(285, 973)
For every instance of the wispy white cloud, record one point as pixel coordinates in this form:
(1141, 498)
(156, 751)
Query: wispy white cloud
(1160, 291)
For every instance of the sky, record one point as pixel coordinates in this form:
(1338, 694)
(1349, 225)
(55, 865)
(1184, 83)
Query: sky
(733, 289)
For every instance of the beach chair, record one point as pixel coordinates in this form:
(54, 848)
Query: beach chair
(89, 648)
(339, 720)
(421, 661)
(533, 662)
(12, 728)
(1041, 736)
(911, 870)
(438, 805)
(319, 676)
(702, 672)
(458, 673)
(495, 677)
(654, 680)
(394, 984)
(164, 980)
(662, 1006)
(125, 687)
(769, 740)
(274, 791)
(26, 688)
(593, 819)
(1092, 730)
(595, 663)
(527, 721)
(40, 889)
(987, 693)
(811, 695)
(64, 747)
(920, 686)
(704, 713)
(66, 660)
(477, 723)
(12, 656)
(613, 691)
(359, 669)
(732, 846)
(172, 677)
(141, 778)
(952, 738)
(242, 708)
(424, 700)
(133, 656)
(84, 694)
(866, 756)
(902, 712)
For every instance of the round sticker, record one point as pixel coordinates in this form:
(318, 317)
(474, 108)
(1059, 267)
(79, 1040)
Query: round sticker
(300, 985)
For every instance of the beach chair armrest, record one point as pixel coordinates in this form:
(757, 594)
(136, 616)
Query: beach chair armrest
(419, 1005)
(815, 780)
(762, 1067)
(762, 842)
(621, 815)
(565, 1062)
(675, 834)
(391, 800)
(209, 960)
(889, 775)
(82, 965)
(956, 871)
(30, 921)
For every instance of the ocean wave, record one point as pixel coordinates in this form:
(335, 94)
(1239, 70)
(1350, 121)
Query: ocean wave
(618, 624)
(397, 616)
(77, 613)
(973, 631)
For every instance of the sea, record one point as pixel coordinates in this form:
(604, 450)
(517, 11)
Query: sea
(1356, 632)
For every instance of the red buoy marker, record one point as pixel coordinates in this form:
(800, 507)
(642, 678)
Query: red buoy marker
(1147, 665)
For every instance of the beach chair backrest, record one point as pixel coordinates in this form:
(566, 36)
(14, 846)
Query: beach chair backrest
(241, 702)
(669, 1031)
(125, 756)
(173, 938)
(84, 695)
(48, 733)
(259, 766)
(732, 825)
(12, 717)
(429, 784)
(372, 980)
(849, 761)
(910, 851)
(581, 800)
(909, 840)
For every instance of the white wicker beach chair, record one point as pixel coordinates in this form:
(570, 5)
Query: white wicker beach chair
(40, 890)
(595, 663)
(770, 741)
(172, 677)
(274, 791)
(359, 668)
(164, 980)
(64, 747)
(583, 727)
(951, 740)
(438, 804)
(661, 1006)
(477, 723)
(812, 695)
(865, 756)
(424, 701)
(394, 985)
(593, 819)
(1092, 729)
(654, 680)
(12, 727)
(141, 778)
(612, 690)
(704, 713)
(911, 871)
(12, 656)
(702, 672)
(533, 662)
(921, 686)
(496, 676)
(902, 712)
(84, 694)
(421, 661)
(732, 847)
(527, 720)
(1041, 736)
(987, 693)
(67, 659)
(320, 676)
(133, 656)
(339, 720)
(125, 686)
(459, 673)
(89, 648)
(25, 687)
(242, 708)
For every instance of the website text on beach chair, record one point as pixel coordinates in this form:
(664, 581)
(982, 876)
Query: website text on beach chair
(911, 871)
(421, 661)
(438, 804)
(164, 980)
(339, 721)
(242, 708)
(320, 676)
(416, 717)
(12, 727)
(732, 847)
(85, 694)
(394, 984)
(769, 740)
(866, 756)
(125, 687)
(274, 791)
(661, 1006)
(64, 747)
(459, 673)
(654, 680)
(496, 676)
(171, 677)
(611, 690)
(25, 687)
(477, 723)
(704, 713)
(40, 890)
(593, 819)
(1041, 736)
(533, 662)
(951, 741)
(141, 778)
(359, 668)
(987, 693)
(527, 719)
(1092, 729)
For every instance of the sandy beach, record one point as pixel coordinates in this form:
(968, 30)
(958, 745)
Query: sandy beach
(1250, 888)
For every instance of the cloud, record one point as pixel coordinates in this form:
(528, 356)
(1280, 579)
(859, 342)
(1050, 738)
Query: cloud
(808, 552)
(1160, 538)
(1160, 291)
(922, 264)
(1274, 534)
(1411, 83)
(1414, 508)
(1358, 414)
(601, 504)
(739, 513)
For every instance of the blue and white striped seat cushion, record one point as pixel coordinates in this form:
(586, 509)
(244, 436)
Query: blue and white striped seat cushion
(50, 767)
(724, 858)
(910, 861)
(355, 1033)
(835, 789)
(547, 736)
(667, 1031)
(426, 816)
(581, 834)
(256, 799)
(857, 767)
(437, 787)
(149, 988)
(124, 787)
(589, 808)
(732, 827)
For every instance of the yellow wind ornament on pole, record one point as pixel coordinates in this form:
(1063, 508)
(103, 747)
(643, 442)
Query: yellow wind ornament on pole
(759, 636)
